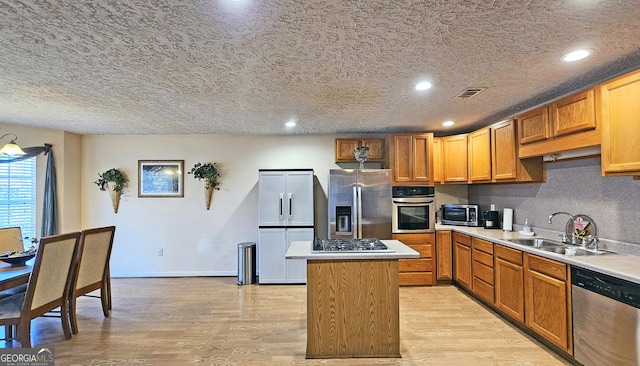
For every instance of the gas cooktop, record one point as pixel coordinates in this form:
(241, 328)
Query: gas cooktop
(370, 245)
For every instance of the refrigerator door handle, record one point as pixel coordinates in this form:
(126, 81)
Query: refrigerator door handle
(290, 208)
(359, 212)
(356, 210)
(281, 199)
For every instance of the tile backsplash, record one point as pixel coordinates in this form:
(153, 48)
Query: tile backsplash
(574, 186)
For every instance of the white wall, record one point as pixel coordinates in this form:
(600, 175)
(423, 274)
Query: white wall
(194, 241)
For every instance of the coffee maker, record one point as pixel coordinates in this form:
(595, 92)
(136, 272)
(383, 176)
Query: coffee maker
(491, 220)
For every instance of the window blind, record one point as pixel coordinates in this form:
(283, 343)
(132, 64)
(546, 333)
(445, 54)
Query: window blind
(18, 195)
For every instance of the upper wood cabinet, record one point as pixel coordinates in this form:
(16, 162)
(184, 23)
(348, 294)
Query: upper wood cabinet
(569, 123)
(504, 151)
(533, 126)
(454, 159)
(345, 147)
(620, 119)
(505, 164)
(573, 114)
(479, 155)
(438, 176)
(411, 159)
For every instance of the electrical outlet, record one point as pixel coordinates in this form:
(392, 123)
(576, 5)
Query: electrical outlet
(160, 252)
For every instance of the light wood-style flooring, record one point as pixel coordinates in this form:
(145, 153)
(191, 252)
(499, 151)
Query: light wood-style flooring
(213, 321)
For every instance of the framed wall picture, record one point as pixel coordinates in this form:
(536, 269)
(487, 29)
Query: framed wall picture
(160, 178)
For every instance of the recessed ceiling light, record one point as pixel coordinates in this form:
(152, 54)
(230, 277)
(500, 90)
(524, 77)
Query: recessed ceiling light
(576, 55)
(290, 123)
(447, 123)
(423, 85)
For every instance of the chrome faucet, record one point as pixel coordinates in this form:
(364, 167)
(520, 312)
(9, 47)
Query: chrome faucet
(565, 239)
(586, 241)
(593, 238)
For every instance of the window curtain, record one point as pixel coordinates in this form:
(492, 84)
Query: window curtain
(50, 202)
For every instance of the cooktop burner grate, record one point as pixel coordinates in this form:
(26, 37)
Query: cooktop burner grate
(349, 245)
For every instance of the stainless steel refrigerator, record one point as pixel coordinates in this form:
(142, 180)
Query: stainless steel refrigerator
(360, 203)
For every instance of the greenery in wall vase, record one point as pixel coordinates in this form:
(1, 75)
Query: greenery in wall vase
(114, 180)
(208, 174)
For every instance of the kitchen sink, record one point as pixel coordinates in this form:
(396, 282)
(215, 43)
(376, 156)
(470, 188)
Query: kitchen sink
(578, 251)
(556, 247)
(537, 243)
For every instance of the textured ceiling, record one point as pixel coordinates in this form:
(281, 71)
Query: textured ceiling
(245, 67)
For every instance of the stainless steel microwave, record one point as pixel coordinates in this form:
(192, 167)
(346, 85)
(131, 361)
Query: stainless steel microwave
(457, 214)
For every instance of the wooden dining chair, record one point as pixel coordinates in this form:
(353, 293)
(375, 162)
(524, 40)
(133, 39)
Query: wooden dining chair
(48, 288)
(92, 272)
(11, 239)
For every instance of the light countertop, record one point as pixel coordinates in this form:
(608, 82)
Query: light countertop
(302, 250)
(618, 265)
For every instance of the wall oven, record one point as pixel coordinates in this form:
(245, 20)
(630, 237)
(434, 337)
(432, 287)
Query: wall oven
(413, 209)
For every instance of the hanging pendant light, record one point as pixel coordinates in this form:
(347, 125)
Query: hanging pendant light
(11, 148)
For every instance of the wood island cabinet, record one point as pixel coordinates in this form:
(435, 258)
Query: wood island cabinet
(462, 260)
(345, 147)
(548, 300)
(421, 271)
(454, 159)
(569, 123)
(411, 159)
(482, 269)
(620, 118)
(479, 155)
(509, 284)
(443, 255)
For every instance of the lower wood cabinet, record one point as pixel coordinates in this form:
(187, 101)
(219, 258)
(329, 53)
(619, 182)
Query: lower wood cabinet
(532, 290)
(547, 300)
(443, 255)
(462, 260)
(509, 282)
(482, 269)
(420, 271)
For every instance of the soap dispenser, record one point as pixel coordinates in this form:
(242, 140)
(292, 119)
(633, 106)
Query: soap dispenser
(526, 229)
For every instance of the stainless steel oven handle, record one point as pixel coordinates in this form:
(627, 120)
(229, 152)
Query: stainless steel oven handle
(413, 201)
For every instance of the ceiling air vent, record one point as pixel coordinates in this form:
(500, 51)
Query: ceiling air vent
(469, 93)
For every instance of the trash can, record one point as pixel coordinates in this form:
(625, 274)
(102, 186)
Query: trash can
(246, 263)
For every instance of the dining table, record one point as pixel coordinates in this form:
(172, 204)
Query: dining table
(14, 276)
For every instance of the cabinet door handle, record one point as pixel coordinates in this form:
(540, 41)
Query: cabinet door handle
(290, 208)
(281, 199)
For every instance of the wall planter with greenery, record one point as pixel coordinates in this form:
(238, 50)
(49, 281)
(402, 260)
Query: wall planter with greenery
(114, 180)
(208, 174)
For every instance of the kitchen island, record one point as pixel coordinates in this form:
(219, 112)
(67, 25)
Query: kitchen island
(352, 300)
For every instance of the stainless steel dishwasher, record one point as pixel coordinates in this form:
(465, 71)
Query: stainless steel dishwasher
(606, 319)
